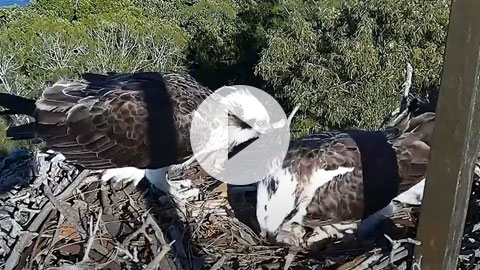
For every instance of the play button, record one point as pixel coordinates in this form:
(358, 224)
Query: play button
(231, 117)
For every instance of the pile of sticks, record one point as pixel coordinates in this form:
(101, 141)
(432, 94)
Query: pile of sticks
(54, 215)
(66, 218)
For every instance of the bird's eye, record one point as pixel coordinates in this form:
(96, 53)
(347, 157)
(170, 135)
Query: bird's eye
(261, 123)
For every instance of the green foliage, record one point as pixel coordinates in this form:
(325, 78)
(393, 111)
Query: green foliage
(214, 26)
(76, 9)
(126, 42)
(345, 62)
(342, 60)
(169, 10)
(55, 8)
(46, 48)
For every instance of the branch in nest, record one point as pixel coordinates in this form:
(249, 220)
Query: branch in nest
(153, 265)
(25, 240)
(219, 264)
(376, 260)
(150, 221)
(58, 205)
(292, 114)
(403, 110)
(92, 236)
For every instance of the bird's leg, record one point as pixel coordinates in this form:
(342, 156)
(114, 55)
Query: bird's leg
(180, 190)
(396, 244)
(370, 227)
(158, 178)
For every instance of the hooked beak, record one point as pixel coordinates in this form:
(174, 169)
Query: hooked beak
(263, 130)
(279, 124)
(270, 237)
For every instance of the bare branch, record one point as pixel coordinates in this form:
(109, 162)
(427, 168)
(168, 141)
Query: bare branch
(292, 114)
(92, 236)
(408, 80)
(159, 257)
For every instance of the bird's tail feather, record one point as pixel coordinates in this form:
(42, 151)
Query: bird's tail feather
(413, 150)
(16, 105)
(391, 133)
(22, 132)
(422, 124)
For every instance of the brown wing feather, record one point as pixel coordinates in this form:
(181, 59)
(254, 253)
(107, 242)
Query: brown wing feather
(328, 151)
(102, 123)
(184, 103)
(413, 150)
(98, 131)
(341, 198)
(412, 159)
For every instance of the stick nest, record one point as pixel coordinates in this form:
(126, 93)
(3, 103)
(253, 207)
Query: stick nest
(66, 218)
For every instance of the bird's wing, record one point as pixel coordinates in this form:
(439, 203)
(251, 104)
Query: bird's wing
(340, 195)
(340, 200)
(311, 164)
(109, 121)
(186, 96)
(324, 151)
(372, 184)
(412, 158)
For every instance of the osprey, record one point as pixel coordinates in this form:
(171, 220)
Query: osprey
(133, 125)
(336, 177)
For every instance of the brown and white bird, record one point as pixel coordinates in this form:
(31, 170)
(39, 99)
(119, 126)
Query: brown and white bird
(341, 177)
(133, 125)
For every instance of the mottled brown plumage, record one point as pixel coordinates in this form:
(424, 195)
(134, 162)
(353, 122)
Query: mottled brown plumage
(315, 162)
(341, 199)
(103, 121)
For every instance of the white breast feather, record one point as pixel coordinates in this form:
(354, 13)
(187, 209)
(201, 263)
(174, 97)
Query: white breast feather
(413, 195)
(125, 174)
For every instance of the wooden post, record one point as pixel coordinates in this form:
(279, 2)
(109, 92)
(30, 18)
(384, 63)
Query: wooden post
(454, 144)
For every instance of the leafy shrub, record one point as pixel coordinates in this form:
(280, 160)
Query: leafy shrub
(45, 48)
(74, 10)
(344, 62)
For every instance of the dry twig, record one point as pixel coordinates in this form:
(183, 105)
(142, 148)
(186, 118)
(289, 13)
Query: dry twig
(92, 236)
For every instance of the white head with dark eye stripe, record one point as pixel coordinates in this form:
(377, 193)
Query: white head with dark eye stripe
(282, 201)
(276, 200)
(248, 117)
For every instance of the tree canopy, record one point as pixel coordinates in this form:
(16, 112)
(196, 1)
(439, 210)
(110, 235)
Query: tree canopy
(343, 61)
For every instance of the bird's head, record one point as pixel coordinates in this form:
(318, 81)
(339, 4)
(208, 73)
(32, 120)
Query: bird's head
(277, 201)
(248, 118)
